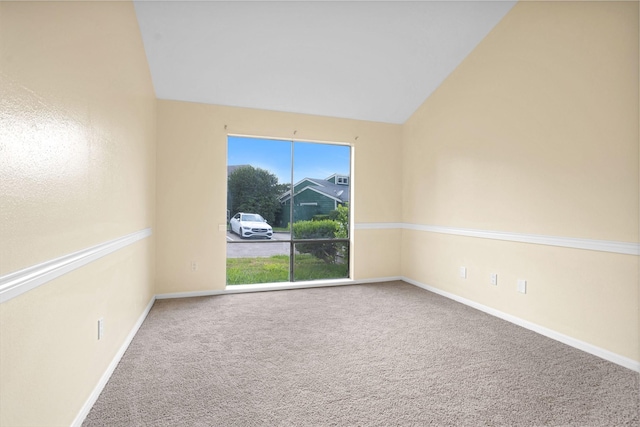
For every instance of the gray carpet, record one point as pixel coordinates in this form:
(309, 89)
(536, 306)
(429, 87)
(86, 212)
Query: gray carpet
(365, 355)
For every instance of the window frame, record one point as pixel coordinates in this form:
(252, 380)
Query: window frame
(292, 241)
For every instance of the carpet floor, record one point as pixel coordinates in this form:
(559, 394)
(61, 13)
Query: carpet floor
(365, 355)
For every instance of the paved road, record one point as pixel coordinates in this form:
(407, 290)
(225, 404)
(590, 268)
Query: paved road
(258, 247)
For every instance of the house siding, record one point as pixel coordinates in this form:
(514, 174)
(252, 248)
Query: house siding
(304, 213)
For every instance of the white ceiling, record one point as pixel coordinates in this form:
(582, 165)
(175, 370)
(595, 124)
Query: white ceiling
(363, 60)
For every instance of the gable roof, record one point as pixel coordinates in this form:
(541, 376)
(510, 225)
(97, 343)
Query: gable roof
(338, 192)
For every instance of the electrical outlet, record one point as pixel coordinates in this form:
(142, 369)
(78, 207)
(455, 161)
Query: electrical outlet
(522, 286)
(100, 328)
(194, 266)
(463, 272)
(494, 279)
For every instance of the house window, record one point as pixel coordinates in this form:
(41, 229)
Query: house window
(279, 196)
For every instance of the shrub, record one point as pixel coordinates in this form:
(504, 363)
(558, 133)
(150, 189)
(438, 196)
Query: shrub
(342, 218)
(320, 217)
(323, 229)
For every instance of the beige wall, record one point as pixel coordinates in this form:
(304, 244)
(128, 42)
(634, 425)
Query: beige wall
(192, 180)
(77, 168)
(535, 132)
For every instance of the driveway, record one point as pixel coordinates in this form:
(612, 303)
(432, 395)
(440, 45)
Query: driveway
(257, 247)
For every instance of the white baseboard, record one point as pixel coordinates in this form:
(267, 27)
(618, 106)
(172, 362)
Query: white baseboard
(189, 294)
(378, 280)
(565, 339)
(263, 287)
(91, 400)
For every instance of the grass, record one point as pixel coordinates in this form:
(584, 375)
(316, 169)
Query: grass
(245, 271)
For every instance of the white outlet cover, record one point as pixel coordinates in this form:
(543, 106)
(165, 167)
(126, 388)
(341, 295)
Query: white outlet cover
(463, 272)
(100, 328)
(494, 279)
(522, 286)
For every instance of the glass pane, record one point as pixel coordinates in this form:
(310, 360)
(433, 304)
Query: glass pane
(258, 178)
(322, 178)
(258, 175)
(326, 260)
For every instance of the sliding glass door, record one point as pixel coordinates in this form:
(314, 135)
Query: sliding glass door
(287, 210)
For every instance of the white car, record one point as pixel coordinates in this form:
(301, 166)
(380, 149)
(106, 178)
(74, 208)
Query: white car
(250, 225)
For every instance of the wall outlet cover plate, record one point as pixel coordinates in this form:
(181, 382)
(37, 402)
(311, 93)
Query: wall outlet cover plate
(522, 286)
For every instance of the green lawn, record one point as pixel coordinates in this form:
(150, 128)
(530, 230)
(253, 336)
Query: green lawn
(245, 271)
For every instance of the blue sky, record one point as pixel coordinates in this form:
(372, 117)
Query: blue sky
(311, 160)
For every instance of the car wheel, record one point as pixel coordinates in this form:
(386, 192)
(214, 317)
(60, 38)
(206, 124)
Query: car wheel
(240, 233)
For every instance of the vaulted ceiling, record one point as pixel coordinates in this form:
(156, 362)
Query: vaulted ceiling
(363, 60)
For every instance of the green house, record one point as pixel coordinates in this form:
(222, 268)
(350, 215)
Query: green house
(312, 196)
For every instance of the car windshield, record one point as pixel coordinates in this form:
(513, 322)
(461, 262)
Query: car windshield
(252, 217)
